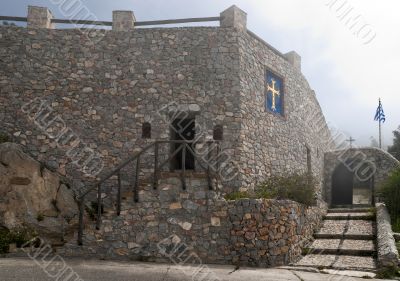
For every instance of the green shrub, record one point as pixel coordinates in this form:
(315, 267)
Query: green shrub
(396, 225)
(40, 217)
(388, 273)
(390, 192)
(4, 138)
(18, 236)
(4, 241)
(92, 210)
(296, 187)
(237, 195)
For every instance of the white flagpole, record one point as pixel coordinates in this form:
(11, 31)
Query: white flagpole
(380, 135)
(380, 127)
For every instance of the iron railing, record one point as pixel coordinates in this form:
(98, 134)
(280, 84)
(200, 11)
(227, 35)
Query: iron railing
(184, 147)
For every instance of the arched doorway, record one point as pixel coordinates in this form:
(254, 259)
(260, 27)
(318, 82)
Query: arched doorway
(350, 188)
(342, 186)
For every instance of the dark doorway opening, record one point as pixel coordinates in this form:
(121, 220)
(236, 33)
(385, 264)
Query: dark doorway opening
(342, 186)
(183, 129)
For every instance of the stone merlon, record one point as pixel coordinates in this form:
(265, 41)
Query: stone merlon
(294, 59)
(234, 17)
(39, 17)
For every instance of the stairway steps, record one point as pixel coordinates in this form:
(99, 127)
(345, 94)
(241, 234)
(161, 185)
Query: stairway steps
(346, 241)
(347, 210)
(343, 252)
(352, 216)
(343, 247)
(345, 236)
(340, 262)
(343, 227)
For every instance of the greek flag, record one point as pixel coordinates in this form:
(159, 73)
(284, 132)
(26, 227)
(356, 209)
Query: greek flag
(380, 115)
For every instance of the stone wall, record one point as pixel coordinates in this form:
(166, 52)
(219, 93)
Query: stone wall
(272, 144)
(245, 232)
(366, 162)
(104, 91)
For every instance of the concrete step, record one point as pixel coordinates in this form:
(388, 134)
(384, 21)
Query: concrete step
(345, 227)
(343, 247)
(350, 210)
(354, 206)
(351, 216)
(340, 262)
(344, 236)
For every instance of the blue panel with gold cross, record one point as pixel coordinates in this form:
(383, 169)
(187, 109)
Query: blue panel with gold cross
(274, 93)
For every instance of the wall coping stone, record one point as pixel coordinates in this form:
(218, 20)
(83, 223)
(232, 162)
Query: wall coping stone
(388, 255)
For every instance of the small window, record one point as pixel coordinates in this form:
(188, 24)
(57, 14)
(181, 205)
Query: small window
(146, 130)
(218, 133)
(309, 164)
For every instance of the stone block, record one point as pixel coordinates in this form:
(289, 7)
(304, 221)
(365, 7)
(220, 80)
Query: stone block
(294, 59)
(39, 17)
(215, 221)
(234, 17)
(123, 20)
(175, 206)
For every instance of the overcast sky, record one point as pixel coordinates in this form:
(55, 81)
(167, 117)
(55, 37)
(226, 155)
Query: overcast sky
(347, 72)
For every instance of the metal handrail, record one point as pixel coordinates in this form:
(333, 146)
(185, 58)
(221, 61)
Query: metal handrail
(184, 147)
(110, 23)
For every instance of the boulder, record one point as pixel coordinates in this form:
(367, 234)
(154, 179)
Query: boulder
(32, 196)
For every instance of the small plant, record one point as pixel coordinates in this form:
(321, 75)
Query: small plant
(388, 273)
(4, 138)
(4, 241)
(40, 217)
(94, 206)
(92, 210)
(296, 187)
(306, 251)
(91, 213)
(237, 195)
(18, 236)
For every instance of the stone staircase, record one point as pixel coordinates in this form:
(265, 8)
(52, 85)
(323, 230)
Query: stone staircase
(346, 241)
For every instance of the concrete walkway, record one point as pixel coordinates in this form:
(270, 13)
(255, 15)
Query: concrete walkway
(26, 269)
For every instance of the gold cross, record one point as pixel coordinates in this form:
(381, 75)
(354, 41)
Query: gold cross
(274, 92)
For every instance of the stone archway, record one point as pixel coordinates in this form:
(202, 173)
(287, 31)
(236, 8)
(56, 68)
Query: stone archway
(370, 168)
(342, 186)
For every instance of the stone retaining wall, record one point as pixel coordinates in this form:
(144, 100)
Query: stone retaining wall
(246, 232)
(388, 255)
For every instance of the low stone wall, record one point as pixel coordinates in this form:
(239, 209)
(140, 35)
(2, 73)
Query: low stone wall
(165, 221)
(270, 232)
(387, 252)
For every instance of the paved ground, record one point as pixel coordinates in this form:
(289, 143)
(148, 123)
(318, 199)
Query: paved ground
(28, 270)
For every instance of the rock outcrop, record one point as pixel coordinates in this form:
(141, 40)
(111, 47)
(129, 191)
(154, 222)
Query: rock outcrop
(33, 196)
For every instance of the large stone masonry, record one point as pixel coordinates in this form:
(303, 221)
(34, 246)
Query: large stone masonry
(106, 86)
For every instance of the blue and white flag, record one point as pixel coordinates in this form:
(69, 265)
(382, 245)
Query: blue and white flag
(380, 115)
